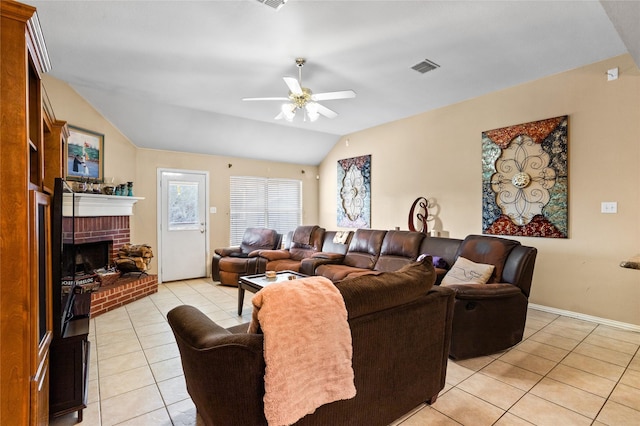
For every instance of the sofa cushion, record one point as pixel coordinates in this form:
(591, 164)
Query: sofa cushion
(306, 241)
(337, 272)
(488, 250)
(465, 271)
(364, 248)
(259, 239)
(399, 248)
(334, 243)
(272, 255)
(369, 293)
(446, 248)
(304, 234)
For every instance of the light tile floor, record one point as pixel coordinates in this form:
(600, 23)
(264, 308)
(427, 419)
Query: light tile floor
(566, 371)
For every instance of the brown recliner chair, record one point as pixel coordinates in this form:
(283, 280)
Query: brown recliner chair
(229, 263)
(305, 241)
(490, 317)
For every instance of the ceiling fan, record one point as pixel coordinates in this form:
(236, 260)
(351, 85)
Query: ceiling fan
(301, 98)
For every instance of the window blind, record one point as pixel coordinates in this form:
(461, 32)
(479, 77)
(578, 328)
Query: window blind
(263, 202)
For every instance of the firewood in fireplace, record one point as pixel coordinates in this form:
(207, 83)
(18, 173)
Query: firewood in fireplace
(134, 258)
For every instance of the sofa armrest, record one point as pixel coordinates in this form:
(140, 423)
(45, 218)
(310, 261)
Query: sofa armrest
(308, 266)
(335, 257)
(224, 372)
(199, 332)
(227, 251)
(272, 255)
(484, 291)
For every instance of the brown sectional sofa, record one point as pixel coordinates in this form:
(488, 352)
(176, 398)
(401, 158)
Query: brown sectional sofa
(400, 327)
(403, 328)
(370, 251)
(488, 317)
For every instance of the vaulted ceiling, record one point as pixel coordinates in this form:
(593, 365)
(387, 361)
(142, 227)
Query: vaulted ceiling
(172, 74)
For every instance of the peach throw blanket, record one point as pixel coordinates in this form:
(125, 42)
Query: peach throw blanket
(307, 347)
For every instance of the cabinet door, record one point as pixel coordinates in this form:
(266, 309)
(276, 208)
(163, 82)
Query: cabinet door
(41, 304)
(68, 372)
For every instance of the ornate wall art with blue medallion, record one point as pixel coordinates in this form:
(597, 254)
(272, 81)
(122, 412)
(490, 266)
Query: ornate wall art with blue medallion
(525, 179)
(354, 192)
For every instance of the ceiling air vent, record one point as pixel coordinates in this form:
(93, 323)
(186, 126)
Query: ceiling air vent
(425, 66)
(276, 4)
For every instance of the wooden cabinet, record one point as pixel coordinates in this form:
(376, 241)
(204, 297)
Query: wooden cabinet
(56, 134)
(25, 239)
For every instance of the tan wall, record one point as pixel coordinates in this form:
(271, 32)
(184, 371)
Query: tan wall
(219, 172)
(438, 154)
(68, 105)
(125, 162)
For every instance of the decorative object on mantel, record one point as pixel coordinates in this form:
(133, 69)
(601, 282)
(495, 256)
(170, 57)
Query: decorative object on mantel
(525, 179)
(85, 154)
(108, 188)
(631, 263)
(354, 192)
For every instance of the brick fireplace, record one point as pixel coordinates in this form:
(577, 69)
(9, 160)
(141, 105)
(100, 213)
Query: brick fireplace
(112, 230)
(101, 224)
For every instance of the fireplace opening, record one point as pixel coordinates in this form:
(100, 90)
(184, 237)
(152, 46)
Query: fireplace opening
(86, 258)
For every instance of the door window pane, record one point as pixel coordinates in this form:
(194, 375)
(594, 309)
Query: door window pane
(183, 206)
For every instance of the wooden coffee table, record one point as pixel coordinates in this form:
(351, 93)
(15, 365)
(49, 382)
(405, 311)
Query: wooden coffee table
(255, 283)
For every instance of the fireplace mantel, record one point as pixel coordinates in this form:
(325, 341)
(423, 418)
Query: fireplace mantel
(98, 205)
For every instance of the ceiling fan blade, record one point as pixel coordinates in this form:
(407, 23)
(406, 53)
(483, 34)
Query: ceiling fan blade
(323, 110)
(293, 85)
(343, 94)
(280, 98)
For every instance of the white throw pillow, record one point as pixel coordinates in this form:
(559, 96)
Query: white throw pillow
(465, 271)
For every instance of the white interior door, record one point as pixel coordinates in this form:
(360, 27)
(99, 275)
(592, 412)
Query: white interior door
(183, 224)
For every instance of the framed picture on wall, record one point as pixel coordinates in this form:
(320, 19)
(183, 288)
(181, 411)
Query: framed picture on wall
(525, 184)
(354, 192)
(84, 154)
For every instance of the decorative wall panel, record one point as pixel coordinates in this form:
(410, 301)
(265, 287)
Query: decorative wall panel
(354, 192)
(525, 179)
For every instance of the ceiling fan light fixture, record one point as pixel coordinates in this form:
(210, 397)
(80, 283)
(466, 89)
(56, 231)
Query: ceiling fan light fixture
(302, 98)
(312, 111)
(288, 111)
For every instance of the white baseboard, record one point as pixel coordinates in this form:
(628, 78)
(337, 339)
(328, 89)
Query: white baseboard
(577, 315)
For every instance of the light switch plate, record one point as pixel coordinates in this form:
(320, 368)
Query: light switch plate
(609, 207)
(212, 210)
